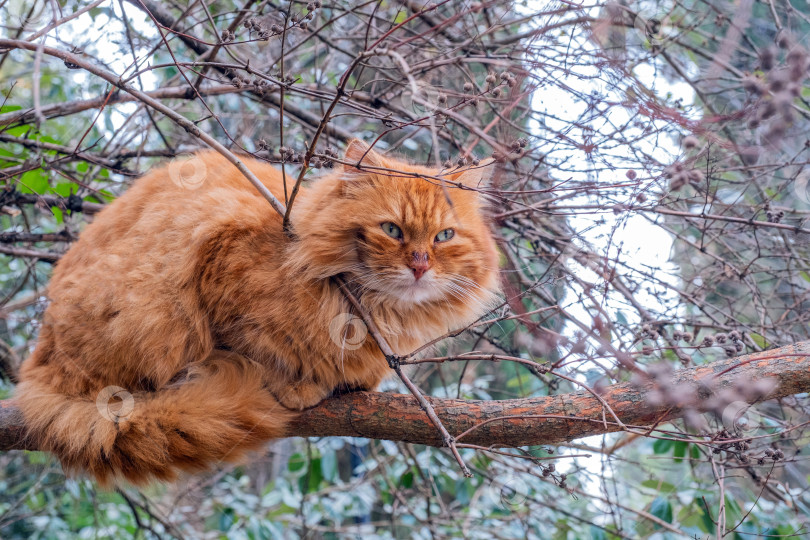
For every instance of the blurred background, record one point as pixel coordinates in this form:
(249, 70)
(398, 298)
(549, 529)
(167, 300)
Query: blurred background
(650, 205)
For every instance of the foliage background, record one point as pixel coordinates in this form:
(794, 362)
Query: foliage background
(652, 188)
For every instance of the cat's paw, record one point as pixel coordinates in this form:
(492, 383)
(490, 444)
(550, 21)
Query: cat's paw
(302, 396)
(346, 389)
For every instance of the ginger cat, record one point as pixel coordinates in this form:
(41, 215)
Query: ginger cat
(186, 302)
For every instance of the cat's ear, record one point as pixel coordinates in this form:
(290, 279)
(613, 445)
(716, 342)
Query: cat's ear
(476, 176)
(360, 152)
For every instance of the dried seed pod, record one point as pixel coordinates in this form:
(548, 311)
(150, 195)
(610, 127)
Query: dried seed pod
(794, 89)
(631, 174)
(767, 110)
(783, 102)
(778, 80)
(690, 141)
(753, 85)
(750, 155)
(784, 40)
(796, 55)
(678, 181)
(777, 131)
(767, 57)
(468, 87)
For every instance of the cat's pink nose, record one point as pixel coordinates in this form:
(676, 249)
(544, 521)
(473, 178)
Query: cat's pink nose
(419, 264)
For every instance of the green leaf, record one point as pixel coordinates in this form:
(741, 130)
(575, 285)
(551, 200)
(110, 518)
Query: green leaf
(662, 446)
(707, 524)
(314, 476)
(82, 167)
(759, 340)
(733, 510)
(691, 516)
(47, 139)
(661, 508)
(296, 462)
(9, 108)
(661, 486)
(18, 130)
(406, 480)
(226, 519)
(401, 16)
(64, 189)
(680, 450)
(35, 181)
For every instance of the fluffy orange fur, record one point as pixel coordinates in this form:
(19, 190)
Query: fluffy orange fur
(189, 296)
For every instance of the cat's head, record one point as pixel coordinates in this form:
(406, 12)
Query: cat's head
(398, 231)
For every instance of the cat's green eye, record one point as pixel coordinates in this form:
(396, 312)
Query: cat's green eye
(445, 235)
(392, 230)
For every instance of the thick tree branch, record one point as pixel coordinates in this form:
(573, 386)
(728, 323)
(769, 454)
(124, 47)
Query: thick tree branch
(517, 422)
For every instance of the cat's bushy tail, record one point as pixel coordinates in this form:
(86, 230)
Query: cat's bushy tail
(218, 411)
